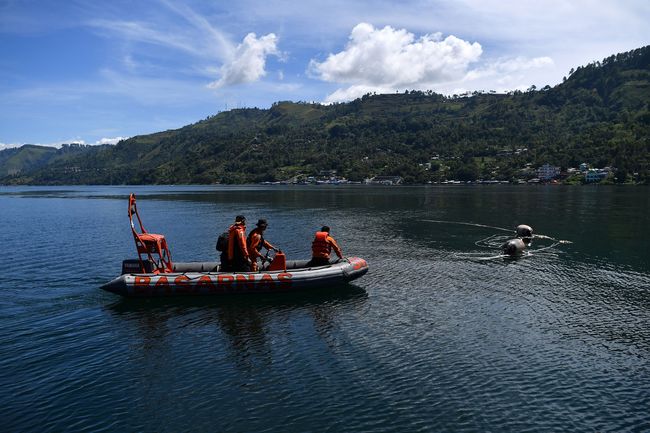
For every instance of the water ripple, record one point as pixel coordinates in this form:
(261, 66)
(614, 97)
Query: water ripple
(428, 340)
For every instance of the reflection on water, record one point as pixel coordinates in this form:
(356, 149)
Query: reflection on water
(243, 319)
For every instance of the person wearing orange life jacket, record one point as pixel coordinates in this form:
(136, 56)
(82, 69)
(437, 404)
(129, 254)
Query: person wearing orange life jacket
(322, 246)
(236, 255)
(256, 242)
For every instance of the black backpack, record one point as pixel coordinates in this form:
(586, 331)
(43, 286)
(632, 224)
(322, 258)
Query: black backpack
(222, 242)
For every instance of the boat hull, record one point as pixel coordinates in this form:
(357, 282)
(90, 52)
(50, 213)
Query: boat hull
(206, 282)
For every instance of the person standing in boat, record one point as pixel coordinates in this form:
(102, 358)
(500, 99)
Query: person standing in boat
(236, 255)
(256, 242)
(322, 247)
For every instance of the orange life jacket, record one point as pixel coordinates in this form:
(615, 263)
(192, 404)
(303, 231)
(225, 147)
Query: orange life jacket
(236, 248)
(320, 247)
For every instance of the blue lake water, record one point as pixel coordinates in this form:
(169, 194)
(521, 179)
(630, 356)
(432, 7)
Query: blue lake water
(433, 338)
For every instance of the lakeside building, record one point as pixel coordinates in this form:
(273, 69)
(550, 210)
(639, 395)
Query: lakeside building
(548, 172)
(594, 175)
(385, 180)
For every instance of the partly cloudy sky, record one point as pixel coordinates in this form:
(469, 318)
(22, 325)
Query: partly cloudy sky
(95, 72)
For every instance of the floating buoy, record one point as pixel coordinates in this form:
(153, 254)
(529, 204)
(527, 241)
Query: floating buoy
(513, 247)
(524, 231)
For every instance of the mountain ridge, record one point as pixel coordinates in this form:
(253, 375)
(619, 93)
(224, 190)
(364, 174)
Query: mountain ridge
(598, 114)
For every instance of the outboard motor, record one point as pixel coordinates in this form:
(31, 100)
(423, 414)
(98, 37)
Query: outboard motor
(513, 247)
(134, 266)
(523, 231)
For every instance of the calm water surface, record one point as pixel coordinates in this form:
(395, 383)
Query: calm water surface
(431, 339)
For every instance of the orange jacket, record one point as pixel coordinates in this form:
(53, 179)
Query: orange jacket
(323, 245)
(256, 242)
(237, 238)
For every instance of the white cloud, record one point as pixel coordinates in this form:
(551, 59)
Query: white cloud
(114, 140)
(134, 31)
(392, 59)
(523, 63)
(249, 61)
(192, 34)
(503, 67)
(4, 146)
(355, 91)
(213, 36)
(58, 144)
(506, 74)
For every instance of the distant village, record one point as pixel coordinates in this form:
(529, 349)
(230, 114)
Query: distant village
(545, 174)
(548, 173)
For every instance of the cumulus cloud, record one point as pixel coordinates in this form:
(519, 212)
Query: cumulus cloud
(249, 61)
(389, 59)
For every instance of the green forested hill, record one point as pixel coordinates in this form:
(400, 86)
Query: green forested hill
(599, 115)
(23, 159)
(18, 163)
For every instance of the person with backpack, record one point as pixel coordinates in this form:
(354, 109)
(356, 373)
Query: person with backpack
(256, 242)
(234, 255)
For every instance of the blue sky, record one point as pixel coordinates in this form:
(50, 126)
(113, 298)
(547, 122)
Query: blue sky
(93, 71)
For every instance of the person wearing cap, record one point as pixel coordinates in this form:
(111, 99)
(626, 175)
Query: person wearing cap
(238, 259)
(256, 242)
(322, 246)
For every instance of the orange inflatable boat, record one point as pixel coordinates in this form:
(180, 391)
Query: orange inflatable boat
(154, 273)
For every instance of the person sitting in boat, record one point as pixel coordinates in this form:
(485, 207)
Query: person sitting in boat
(322, 246)
(256, 242)
(236, 257)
